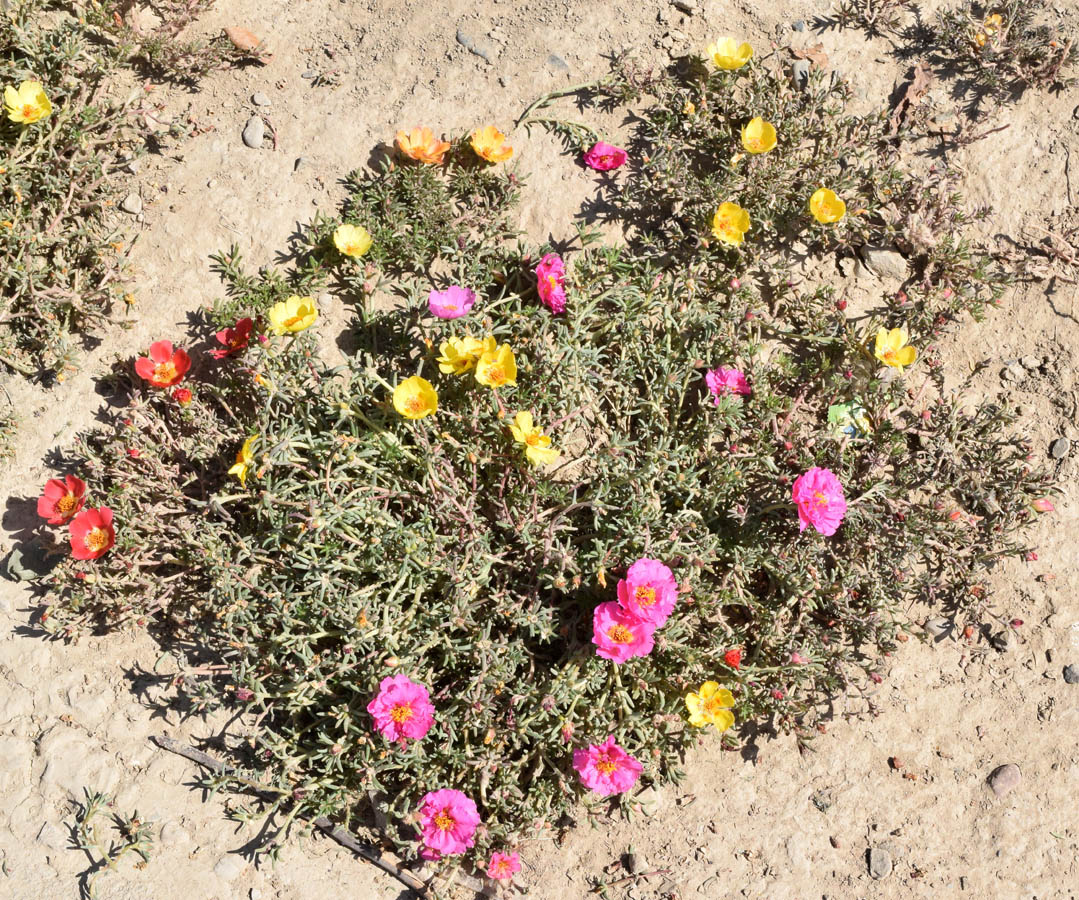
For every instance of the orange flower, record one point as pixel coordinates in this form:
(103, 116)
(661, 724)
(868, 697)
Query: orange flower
(421, 145)
(490, 144)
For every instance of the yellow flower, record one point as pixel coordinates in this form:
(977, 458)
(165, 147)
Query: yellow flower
(352, 240)
(497, 367)
(727, 53)
(538, 447)
(980, 39)
(689, 108)
(415, 398)
(244, 460)
(710, 706)
(28, 104)
(993, 23)
(460, 354)
(892, 348)
(421, 145)
(730, 223)
(490, 144)
(292, 314)
(758, 136)
(826, 206)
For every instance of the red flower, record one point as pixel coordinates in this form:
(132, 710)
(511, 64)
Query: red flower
(165, 366)
(92, 533)
(182, 396)
(235, 339)
(733, 658)
(61, 499)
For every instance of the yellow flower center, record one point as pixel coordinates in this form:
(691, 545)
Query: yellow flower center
(620, 634)
(415, 404)
(444, 821)
(502, 867)
(645, 596)
(165, 371)
(891, 357)
(29, 111)
(605, 764)
(401, 713)
(97, 539)
(552, 281)
(496, 373)
(292, 321)
(712, 707)
(533, 439)
(821, 499)
(66, 504)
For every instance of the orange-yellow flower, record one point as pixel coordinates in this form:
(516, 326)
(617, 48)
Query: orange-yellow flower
(421, 145)
(826, 206)
(537, 445)
(892, 348)
(758, 136)
(496, 368)
(415, 398)
(730, 223)
(245, 459)
(27, 104)
(490, 144)
(728, 54)
(993, 23)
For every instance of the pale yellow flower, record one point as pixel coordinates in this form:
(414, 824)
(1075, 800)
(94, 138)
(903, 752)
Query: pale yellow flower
(352, 240)
(826, 206)
(892, 349)
(730, 223)
(459, 355)
(27, 104)
(537, 445)
(758, 136)
(496, 368)
(244, 460)
(710, 706)
(292, 315)
(728, 54)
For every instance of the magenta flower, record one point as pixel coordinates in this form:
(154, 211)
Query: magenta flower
(448, 821)
(503, 866)
(551, 282)
(723, 382)
(606, 768)
(648, 591)
(451, 303)
(618, 634)
(402, 709)
(819, 497)
(603, 157)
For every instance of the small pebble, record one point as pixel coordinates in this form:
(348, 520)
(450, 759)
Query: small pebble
(689, 7)
(132, 203)
(937, 628)
(1004, 779)
(301, 161)
(229, 867)
(800, 73)
(557, 62)
(1071, 674)
(310, 74)
(1031, 363)
(1060, 448)
(253, 132)
(799, 25)
(880, 863)
(260, 99)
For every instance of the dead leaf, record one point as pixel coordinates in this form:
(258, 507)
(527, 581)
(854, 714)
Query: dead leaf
(815, 55)
(921, 81)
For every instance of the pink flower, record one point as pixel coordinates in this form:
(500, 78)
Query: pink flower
(618, 634)
(448, 821)
(1043, 505)
(723, 382)
(429, 854)
(503, 866)
(606, 768)
(451, 303)
(603, 157)
(819, 497)
(648, 591)
(402, 709)
(551, 282)
(798, 660)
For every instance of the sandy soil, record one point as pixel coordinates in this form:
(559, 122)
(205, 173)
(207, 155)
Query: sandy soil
(770, 822)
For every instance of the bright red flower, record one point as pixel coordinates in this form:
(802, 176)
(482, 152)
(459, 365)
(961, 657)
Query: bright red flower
(92, 533)
(165, 366)
(182, 396)
(234, 339)
(733, 658)
(61, 499)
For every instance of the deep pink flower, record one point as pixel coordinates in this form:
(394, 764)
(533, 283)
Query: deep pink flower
(234, 339)
(819, 496)
(448, 821)
(618, 634)
(606, 768)
(603, 157)
(165, 366)
(402, 709)
(648, 591)
(551, 282)
(723, 382)
(503, 866)
(451, 303)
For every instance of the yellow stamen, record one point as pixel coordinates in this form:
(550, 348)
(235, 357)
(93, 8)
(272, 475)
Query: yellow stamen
(444, 821)
(645, 596)
(620, 634)
(401, 713)
(97, 539)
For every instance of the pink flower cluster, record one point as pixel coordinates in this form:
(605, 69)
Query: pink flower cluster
(724, 382)
(819, 497)
(551, 282)
(646, 596)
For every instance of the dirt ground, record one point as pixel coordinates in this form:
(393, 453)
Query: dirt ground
(770, 822)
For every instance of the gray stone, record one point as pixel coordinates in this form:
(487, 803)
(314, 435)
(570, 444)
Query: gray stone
(1004, 779)
(301, 161)
(689, 7)
(1002, 641)
(557, 62)
(799, 25)
(1060, 448)
(133, 166)
(254, 131)
(1031, 363)
(1012, 372)
(229, 867)
(885, 263)
(310, 74)
(481, 49)
(938, 628)
(132, 203)
(800, 74)
(1071, 674)
(260, 99)
(880, 863)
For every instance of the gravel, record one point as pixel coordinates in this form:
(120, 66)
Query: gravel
(1004, 779)
(1060, 448)
(254, 131)
(1071, 674)
(880, 863)
(132, 203)
(260, 99)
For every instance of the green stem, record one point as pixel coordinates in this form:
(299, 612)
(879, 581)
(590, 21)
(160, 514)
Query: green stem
(546, 99)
